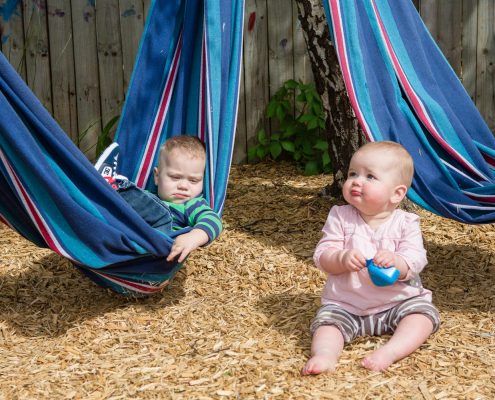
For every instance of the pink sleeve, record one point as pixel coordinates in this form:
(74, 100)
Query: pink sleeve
(410, 247)
(333, 235)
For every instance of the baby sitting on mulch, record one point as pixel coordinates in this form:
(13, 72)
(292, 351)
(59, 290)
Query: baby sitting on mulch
(179, 178)
(371, 227)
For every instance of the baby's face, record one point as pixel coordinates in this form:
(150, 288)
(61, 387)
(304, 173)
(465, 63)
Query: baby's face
(371, 182)
(179, 176)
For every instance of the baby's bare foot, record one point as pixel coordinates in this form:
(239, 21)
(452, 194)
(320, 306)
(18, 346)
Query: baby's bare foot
(379, 360)
(318, 364)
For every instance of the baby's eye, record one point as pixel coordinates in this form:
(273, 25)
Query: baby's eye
(194, 180)
(351, 174)
(370, 177)
(175, 177)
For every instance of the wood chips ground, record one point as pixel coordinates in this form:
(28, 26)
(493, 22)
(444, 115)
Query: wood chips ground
(234, 323)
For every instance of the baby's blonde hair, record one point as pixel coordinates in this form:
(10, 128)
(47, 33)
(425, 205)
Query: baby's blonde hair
(188, 144)
(404, 162)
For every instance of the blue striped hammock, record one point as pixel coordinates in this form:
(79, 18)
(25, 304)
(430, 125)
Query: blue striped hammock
(186, 80)
(403, 89)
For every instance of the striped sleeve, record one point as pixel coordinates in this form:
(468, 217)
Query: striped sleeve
(201, 216)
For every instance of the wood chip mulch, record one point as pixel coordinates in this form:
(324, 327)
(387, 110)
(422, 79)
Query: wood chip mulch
(234, 322)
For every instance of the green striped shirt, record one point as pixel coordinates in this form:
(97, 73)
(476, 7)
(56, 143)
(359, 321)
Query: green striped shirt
(197, 214)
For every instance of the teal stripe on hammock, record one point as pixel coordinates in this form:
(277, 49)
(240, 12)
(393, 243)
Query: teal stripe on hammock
(358, 72)
(47, 206)
(224, 158)
(213, 25)
(155, 278)
(423, 138)
(191, 127)
(485, 149)
(434, 110)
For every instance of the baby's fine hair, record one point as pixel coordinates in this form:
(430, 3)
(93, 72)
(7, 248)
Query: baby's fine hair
(189, 144)
(405, 164)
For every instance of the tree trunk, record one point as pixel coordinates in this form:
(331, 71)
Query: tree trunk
(343, 132)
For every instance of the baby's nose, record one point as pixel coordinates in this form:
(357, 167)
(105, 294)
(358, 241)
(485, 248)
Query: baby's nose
(183, 183)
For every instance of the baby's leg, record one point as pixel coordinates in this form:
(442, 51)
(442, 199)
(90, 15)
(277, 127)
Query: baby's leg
(326, 348)
(412, 331)
(149, 206)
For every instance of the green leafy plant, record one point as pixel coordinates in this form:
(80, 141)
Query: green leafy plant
(299, 129)
(104, 138)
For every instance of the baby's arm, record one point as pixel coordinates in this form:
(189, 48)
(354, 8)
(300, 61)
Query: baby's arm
(410, 255)
(187, 242)
(330, 255)
(206, 225)
(337, 262)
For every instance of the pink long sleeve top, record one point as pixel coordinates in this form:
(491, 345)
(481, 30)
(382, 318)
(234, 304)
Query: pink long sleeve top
(354, 291)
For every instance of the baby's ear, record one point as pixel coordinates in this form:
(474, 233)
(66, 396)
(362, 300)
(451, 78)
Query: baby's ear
(155, 175)
(399, 194)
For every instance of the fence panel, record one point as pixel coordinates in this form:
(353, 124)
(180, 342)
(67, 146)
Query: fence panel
(469, 46)
(444, 21)
(485, 71)
(62, 66)
(86, 72)
(256, 76)
(12, 36)
(77, 56)
(37, 52)
(110, 59)
(131, 14)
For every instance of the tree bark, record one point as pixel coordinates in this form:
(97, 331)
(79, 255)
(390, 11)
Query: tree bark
(343, 132)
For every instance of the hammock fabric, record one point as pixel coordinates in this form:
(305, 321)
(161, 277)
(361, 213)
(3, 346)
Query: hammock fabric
(403, 89)
(186, 80)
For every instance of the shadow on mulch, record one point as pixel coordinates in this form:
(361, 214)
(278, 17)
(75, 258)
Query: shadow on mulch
(51, 296)
(459, 277)
(291, 314)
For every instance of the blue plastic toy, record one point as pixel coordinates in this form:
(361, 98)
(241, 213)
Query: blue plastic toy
(382, 276)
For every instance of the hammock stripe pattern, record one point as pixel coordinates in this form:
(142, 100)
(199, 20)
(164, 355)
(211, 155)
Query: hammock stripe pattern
(402, 88)
(52, 195)
(151, 148)
(36, 215)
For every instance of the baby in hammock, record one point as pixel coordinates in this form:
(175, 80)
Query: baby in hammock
(179, 178)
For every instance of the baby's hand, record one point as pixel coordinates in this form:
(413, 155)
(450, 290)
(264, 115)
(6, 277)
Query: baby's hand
(186, 243)
(384, 259)
(353, 260)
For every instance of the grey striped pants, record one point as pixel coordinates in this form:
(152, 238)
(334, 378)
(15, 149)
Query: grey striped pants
(352, 326)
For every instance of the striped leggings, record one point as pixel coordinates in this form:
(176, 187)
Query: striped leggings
(352, 326)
